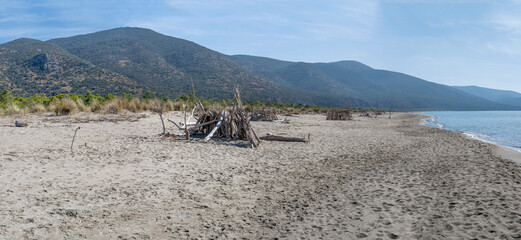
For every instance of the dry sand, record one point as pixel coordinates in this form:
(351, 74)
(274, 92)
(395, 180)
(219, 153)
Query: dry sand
(369, 178)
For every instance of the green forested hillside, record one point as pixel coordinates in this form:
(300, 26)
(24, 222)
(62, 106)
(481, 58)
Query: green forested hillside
(168, 66)
(30, 66)
(379, 88)
(134, 60)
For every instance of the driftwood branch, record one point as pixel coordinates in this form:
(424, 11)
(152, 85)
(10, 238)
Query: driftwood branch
(159, 111)
(161, 116)
(187, 133)
(214, 129)
(193, 127)
(201, 107)
(226, 127)
(283, 139)
(176, 124)
(72, 144)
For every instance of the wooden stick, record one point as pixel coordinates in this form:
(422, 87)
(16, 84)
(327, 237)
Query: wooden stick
(72, 144)
(250, 136)
(201, 106)
(161, 116)
(226, 128)
(255, 134)
(202, 124)
(180, 128)
(192, 116)
(193, 127)
(187, 134)
(214, 129)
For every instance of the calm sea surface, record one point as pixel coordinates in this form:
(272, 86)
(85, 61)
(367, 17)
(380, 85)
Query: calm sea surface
(498, 127)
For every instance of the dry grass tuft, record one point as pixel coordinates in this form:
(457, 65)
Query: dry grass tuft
(95, 106)
(66, 106)
(36, 108)
(115, 106)
(169, 106)
(12, 108)
(81, 106)
(178, 106)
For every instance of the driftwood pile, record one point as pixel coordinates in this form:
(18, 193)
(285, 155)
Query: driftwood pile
(232, 124)
(264, 114)
(374, 113)
(340, 114)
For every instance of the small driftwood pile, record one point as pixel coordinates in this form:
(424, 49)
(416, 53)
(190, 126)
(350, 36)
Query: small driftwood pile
(264, 114)
(340, 114)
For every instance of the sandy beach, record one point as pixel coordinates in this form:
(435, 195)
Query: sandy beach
(372, 178)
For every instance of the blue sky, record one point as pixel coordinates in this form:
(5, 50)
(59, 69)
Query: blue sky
(453, 42)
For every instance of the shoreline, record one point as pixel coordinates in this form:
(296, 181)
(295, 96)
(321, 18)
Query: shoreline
(506, 152)
(367, 178)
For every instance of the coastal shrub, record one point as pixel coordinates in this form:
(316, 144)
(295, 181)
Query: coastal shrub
(128, 96)
(62, 104)
(178, 106)
(89, 98)
(36, 108)
(136, 105)
(95, 106)
(115, 106)
(131, 106)
(81, 105)
(66, 106)
(109, 97)
(5, 98)
(169, 106)
(12, 108)
(52, 106)
(148, 95)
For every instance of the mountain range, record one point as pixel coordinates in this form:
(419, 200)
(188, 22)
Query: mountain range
(501, 96)
(135, 60)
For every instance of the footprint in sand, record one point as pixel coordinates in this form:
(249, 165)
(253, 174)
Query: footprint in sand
(392, 236)
(361, 235)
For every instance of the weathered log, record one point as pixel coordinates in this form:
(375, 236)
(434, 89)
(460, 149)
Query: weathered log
(202, 124)
(187, 133)
(226, 128)
(255, 135)
(214, 129)
(283, 139)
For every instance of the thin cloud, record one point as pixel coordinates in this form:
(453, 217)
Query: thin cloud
(508, 24)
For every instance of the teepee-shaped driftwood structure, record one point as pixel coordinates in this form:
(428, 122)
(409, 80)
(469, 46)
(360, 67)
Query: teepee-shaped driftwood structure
(340, 114)
(234, 124)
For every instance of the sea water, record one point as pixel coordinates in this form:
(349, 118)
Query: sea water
(497, 127)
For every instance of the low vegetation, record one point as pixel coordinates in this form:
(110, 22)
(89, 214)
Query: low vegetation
(66, 104)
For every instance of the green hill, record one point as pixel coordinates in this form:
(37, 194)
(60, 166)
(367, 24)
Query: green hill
(379, 88)
(167, 65)
(136, 60)
(30, 66)
(500, 96)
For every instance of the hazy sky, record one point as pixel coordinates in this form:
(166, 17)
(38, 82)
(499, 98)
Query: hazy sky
(454, 42)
